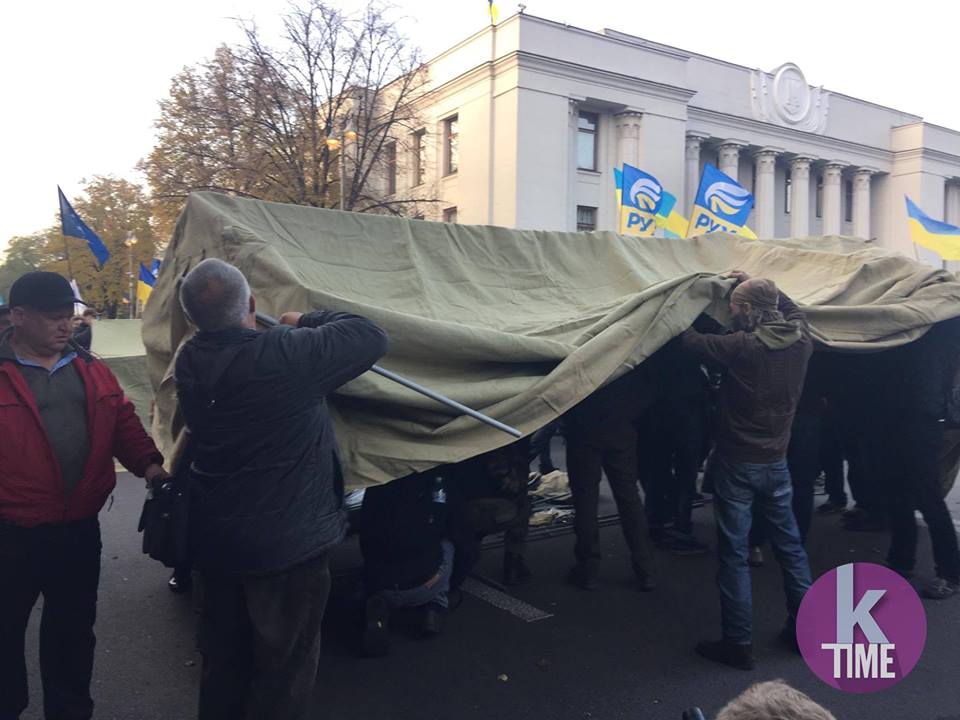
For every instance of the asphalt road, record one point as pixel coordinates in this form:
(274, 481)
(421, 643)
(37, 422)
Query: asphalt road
(613, 653)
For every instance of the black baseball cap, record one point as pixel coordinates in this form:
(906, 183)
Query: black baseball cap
(43, 291)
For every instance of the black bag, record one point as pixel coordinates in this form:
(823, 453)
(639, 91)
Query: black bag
(165, 523)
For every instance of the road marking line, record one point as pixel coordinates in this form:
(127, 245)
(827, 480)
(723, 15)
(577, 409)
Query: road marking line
(501, 600)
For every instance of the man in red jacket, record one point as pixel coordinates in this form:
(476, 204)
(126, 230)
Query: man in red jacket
(63, 418)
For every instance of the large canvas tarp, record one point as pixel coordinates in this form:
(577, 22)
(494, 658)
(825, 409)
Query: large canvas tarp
(120, 345)
(520, 324)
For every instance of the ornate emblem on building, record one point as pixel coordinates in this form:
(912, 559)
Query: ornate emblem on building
(782, 97)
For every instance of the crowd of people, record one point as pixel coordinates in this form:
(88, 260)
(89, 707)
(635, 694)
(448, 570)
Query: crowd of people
(752, 405)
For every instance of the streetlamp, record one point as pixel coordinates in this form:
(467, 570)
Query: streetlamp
(130, 242)
(335, 143)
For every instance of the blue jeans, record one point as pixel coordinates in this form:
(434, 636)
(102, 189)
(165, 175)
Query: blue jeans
(433, 591)
(738, 486)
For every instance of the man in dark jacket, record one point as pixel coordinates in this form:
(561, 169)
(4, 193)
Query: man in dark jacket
(911, 439)
(766, 361)
(602, 438)
(63, 419)
(266, 487)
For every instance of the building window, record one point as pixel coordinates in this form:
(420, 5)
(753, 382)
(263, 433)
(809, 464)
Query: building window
(390, 161)
(787, 192)
(451, 145)
(586, 218)
(450, 215)
(819, 202)
(419, 157)
(587, 141)
(848, 200)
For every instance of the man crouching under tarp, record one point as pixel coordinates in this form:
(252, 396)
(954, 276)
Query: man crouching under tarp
(266, 487)
(766, 362)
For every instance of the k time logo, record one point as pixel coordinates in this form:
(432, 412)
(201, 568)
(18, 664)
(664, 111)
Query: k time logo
(861, 628)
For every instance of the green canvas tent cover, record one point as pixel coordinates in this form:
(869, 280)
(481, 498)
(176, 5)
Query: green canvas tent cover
(520, 324)
(120, 344)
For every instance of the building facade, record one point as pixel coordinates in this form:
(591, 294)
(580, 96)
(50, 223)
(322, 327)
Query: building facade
(524, 123)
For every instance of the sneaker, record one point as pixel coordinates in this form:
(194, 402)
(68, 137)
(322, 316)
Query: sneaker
(583, 577)
(940, 589)
(376, 637)
(755, 558)
(431, 620)
(515, 570)
(831, 507)
(735, 655)
(179, 584)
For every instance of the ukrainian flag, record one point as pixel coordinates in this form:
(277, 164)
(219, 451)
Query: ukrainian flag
(673, 224)
(641, 195)
(721, 205)
(145, 285)
(942, 238)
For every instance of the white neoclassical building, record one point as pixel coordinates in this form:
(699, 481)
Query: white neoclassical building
(524, 123)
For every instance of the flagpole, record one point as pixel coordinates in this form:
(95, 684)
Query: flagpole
(66, 252)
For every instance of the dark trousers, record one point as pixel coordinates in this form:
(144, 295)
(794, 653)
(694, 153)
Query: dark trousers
(671, 453)
(611, 449)
(540, 443)
(260, 640)
(62, 563)
(831, 459)
(913, 482)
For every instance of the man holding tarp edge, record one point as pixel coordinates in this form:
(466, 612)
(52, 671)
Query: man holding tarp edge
(766, 363)
(266, 487)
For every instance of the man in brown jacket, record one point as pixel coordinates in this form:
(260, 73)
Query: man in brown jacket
(766, 362)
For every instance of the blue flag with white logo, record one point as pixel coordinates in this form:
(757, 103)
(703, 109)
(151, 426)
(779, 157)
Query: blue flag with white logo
(640, 197)
(722, 205)
(73, 226)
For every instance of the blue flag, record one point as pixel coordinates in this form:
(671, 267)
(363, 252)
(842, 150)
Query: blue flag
(73, 226)
(642, 195)
(155, 267)
(722, 205)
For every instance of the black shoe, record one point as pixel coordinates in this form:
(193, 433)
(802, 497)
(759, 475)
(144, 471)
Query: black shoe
(515, 570)
(788, 636)
(902, 570)
(431, 621)
(683, 544)
(732, 654)
(376, 636)
(645, 579)
(831, 507)
(179, 584)
(755, 557)
(583, 577)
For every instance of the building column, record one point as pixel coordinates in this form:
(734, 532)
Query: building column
(765, 166)
(832, 198)
(951, 212)
(694, 142)
(628, 126)
(728, 157)
(573, 118)
(800, 197)
(861, 203)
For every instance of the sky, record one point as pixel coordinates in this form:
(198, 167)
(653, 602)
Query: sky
(81, 80)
